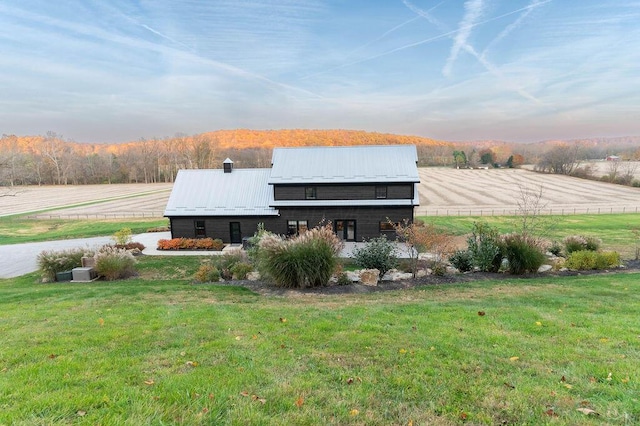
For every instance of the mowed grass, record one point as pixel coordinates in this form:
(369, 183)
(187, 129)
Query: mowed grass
(15, 229)
(615, 230)
(166, 351)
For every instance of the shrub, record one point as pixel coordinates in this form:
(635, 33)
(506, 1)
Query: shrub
(159, 229)
(555, 248)
(240, 270)
(227, 261)
(343, 279)
(462, 260)
(580, 243)
(588, 259)
(122, 237)
(522, 253)
(484, 246)
(114, 263)
(207, 273)
(191, 244)
(307, 260)
(54, 261)
(377, 253)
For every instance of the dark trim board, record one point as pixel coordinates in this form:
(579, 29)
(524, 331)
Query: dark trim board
(366, 222)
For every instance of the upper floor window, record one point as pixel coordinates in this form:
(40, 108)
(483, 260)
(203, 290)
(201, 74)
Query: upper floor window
(310, 193)
(381, 191)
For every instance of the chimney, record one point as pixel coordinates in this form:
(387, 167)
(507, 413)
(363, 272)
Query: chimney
(227, 165)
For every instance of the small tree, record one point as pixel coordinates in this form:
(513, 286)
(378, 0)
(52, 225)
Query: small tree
(122, 237)
(530, 222)
(421, 238)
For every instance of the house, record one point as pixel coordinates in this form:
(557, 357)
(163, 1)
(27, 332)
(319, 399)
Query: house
(359, 189)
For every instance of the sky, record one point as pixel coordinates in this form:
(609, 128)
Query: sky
(512, 70)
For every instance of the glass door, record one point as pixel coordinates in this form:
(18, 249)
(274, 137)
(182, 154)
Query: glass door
(345, 229)
(236, 234)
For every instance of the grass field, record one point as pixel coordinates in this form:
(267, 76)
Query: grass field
(615, 230)
(160, 350)
(16, 229)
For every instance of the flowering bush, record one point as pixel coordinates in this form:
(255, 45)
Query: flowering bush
(191, 244)
(114, 263)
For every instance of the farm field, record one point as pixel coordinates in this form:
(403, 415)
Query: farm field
(443, 192)
(468, 192)
(119, 200)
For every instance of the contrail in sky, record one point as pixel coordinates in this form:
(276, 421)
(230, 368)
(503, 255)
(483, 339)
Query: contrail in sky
(473, 12)
(515, 24)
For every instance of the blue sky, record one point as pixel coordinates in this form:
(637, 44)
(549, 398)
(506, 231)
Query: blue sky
(517, 70)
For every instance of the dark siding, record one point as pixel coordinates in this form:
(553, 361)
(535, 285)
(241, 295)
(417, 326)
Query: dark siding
(218, 227)
(367, 218)
(343, 192)
(367, 221)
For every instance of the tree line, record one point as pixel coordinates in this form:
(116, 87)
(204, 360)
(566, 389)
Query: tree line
(51, 160)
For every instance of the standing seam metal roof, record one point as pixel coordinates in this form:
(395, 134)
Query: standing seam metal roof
(211, 192)
(342, 164)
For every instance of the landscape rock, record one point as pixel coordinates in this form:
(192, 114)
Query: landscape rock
(544, 268)
(369, 277)
(253, 276)
(354, 277)
(397, 276)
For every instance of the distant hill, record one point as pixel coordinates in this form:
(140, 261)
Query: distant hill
(251, 139)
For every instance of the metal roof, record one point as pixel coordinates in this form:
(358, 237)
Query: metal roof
(211, 192)
(342, 164)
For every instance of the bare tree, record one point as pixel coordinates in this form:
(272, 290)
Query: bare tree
(563, 159)
(530, 221)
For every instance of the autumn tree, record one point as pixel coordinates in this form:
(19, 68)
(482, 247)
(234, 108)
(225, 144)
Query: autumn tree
(425, 238)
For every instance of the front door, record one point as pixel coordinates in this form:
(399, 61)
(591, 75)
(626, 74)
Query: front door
(236, 234)
(346, 229)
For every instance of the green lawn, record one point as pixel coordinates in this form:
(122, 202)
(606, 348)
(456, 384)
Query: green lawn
(160, 350)
(15, 229)
(615, 230)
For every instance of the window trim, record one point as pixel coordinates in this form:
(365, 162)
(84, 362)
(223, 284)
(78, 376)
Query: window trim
(381, 192)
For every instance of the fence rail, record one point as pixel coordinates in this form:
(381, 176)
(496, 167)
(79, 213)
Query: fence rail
(121, 215)
(559, 211)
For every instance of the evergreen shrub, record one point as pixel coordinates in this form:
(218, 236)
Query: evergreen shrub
(377, 253)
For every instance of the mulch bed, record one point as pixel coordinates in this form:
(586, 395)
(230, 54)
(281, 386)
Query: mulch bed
(355, 288)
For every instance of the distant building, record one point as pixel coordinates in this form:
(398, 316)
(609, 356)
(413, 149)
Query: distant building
(612, 158)
(359, 189)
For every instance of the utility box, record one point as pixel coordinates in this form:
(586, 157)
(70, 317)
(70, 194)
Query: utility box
(84, 275)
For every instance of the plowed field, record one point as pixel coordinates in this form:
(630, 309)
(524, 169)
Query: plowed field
(443, 191)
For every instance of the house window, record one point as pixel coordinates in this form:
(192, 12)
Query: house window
(387, 226)
(200, 231)
(295, 227)
(381, 192)
(310, 193)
